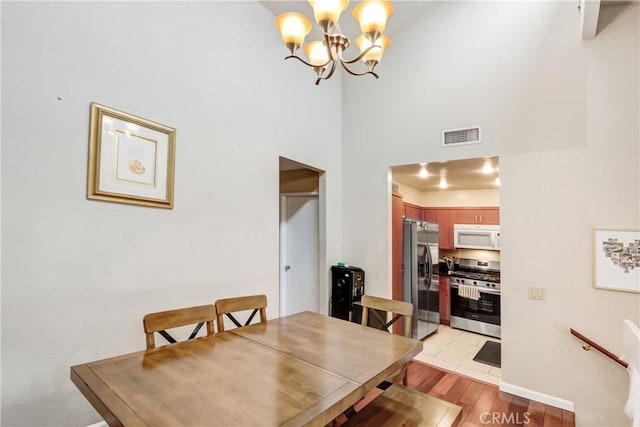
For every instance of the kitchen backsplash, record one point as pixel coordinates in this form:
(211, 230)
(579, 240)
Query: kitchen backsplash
(471, 254)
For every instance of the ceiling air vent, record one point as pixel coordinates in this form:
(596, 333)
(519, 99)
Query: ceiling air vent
(466, 136)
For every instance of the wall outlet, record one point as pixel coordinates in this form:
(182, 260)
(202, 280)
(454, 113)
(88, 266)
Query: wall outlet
(536, 293)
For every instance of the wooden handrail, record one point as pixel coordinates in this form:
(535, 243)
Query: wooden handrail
(598, 347)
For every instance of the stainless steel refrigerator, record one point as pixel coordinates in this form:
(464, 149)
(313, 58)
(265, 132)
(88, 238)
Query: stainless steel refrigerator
(420, 277)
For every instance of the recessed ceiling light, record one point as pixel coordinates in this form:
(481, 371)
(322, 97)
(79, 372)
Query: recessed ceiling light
(443, 182)
(487, 168)
(497, 182)
(423, 172)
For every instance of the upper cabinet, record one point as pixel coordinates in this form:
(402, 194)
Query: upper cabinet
(444, 218)
(477, 216)
(413, 211)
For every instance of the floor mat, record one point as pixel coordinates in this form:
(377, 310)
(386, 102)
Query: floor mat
(489, 354)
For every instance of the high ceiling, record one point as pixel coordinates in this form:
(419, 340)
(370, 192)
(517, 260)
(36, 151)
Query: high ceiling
(464, 174)
(460, 174)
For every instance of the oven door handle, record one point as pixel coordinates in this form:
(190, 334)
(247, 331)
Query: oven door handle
(482, 290)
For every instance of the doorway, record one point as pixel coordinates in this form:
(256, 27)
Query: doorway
(299, 253)
(300, 238)
(465, 191)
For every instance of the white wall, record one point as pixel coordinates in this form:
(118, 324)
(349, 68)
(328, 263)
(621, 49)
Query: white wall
(547, 102)
(456, 198)
(409, 194)
(78, 275)
(449, 198)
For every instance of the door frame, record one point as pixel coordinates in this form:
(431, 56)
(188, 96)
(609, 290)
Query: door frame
(283, 247)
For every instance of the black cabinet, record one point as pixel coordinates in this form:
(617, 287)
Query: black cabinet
(347, 287)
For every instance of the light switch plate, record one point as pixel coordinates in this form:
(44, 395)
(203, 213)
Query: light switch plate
(536, 293)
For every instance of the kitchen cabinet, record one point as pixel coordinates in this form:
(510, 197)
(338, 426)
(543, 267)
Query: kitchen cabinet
(413, 211)
(397, 213)
(446, 221)
(445, 297)
(444, 217)
(431, 215)
(477, 216)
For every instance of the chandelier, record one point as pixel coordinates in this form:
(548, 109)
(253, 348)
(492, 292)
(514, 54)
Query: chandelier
(324, 55)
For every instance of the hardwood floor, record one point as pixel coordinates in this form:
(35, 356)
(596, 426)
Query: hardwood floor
(482, 403)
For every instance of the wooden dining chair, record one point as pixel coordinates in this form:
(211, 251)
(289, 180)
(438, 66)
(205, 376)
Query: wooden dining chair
(161, 321)
(228, 306)
(371, 305)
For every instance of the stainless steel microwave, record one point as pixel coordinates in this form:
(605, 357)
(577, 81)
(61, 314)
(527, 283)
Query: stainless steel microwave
(476, 236)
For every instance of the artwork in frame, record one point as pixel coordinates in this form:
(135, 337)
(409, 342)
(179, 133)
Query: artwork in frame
(131, 159)
(616, 259)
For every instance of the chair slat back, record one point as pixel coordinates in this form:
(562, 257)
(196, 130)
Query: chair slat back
(399, 308)
(161, 321)
(228, 306)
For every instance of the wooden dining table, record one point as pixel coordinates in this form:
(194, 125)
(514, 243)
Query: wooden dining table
(302, 369)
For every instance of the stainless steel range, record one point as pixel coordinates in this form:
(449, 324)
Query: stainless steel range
(475, 296)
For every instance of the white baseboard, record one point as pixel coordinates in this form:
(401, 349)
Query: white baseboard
(537, 396)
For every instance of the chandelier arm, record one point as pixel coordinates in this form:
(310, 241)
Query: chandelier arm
(307, 63)
(359, 57)
(328, 76)
(357, 74)
(327, 43)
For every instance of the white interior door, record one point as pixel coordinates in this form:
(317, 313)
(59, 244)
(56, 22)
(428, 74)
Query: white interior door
(299, 290)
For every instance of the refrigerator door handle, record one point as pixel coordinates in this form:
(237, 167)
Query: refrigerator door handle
(429, 267)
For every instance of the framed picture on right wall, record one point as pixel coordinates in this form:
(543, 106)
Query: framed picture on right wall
(616, 259)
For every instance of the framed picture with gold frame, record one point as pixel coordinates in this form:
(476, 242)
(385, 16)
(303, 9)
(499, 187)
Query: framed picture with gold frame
(616, 259)
(131, 159)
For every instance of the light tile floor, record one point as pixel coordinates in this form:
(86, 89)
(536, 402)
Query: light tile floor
(454, 350)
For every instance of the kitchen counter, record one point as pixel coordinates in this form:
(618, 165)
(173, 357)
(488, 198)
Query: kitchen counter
(443, 270)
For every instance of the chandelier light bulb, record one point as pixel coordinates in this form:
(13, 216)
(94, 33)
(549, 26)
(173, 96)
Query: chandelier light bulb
(373, 56)
(327, 12)
(293, 29)
(317, 53)
(372, 15)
